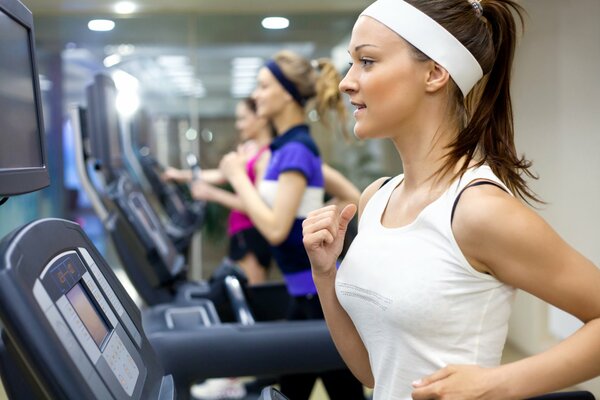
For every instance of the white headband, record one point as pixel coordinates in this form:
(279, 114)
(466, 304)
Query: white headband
(431, 38)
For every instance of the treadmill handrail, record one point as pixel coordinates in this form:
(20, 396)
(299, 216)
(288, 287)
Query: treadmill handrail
(86, 183)
(238, 300)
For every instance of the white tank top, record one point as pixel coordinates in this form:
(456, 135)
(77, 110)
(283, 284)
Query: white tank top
(416, 302)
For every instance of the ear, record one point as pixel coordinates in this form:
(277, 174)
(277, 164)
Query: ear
(437, 78)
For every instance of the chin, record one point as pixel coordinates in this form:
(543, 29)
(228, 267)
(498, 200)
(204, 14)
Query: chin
(360, 132)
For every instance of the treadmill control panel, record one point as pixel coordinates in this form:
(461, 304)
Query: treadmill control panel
(92, 324)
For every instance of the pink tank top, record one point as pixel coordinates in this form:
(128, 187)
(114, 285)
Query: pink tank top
(238, 221)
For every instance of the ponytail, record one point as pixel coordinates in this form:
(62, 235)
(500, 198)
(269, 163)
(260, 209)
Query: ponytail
(318, 80)
(485, 116)
(328, 96)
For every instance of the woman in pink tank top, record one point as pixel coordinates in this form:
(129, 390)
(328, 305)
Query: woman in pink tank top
(247, 247)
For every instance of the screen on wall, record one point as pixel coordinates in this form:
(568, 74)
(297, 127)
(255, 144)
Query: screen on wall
(20, 142)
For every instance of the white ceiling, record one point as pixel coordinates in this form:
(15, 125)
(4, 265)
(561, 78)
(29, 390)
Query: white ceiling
(197, 6)
(209, 34)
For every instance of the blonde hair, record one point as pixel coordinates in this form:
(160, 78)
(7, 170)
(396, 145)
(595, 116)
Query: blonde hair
(316, 80)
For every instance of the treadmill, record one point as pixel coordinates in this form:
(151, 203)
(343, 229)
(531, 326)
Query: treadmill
(149, 256)
(184, 214)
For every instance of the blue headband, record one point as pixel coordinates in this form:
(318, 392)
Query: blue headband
(285, 82)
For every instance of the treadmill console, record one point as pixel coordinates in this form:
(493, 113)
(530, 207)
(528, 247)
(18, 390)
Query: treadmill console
(78, 304)
(75, 329)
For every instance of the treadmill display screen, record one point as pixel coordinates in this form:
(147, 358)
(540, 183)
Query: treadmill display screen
(88, 313)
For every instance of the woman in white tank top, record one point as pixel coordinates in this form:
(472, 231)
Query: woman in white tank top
(419, 308)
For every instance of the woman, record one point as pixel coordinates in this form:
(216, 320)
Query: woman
(247, 247)
(419, 308)
(292, 185)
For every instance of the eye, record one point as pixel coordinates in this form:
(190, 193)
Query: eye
(365, 62)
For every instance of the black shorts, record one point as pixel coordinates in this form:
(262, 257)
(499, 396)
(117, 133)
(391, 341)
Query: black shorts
(250, 241)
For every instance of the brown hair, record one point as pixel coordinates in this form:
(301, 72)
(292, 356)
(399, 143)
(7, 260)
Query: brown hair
(485, 116)
(318, 80)
(250, 103)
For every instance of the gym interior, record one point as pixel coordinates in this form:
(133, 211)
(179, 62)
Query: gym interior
(160, 89)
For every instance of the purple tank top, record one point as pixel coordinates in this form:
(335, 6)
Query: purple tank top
(238, 221)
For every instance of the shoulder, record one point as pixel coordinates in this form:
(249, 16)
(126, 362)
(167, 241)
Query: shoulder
(488, 222)
(299, 148)
(483, 204)
(369, 192)
(298, 139)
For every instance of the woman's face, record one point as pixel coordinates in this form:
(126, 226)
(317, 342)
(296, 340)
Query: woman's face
(269, 95)
(247, 122)
(385, 82)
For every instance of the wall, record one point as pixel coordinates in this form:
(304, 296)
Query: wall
(556, 96)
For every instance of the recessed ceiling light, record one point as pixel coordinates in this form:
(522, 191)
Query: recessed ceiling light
(101, 25)
(112, 60)
(125, 7)
(275, 23)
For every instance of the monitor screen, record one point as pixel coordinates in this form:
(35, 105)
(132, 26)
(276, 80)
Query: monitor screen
(18, 116)
(88, 313)
(22, 163)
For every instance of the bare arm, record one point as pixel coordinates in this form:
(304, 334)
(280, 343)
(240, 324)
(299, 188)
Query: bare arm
(201, 190)
(340, 188)
(323, 232)
(274, 222)
(205, 191)
(177, 175)
(522, 250)
(212, 176)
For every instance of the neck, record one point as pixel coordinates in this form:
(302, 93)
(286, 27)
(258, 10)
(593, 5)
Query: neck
(422, 146)
(289, 117)
(264, 137)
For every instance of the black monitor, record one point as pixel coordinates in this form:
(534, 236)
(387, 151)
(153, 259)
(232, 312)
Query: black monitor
(23, 164)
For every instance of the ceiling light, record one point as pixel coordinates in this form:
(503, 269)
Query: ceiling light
(275, 23)
(125, 7)
(101, 25)
(112, 60)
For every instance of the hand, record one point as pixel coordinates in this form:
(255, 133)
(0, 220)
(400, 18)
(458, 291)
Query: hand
(232, 163)
(173, 174)
(201, 190)
(323, 232)
(458, 382)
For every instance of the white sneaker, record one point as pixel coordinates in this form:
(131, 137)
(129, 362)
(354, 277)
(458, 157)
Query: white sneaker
(219, 389)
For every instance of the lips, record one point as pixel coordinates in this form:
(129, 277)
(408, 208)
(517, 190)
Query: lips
(359, 106)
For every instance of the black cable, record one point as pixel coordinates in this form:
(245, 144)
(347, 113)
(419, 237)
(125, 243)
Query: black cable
(3, 200)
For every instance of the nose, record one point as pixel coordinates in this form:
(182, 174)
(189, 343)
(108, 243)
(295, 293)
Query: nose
(348, 84)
